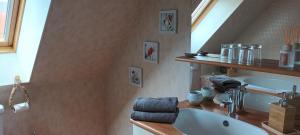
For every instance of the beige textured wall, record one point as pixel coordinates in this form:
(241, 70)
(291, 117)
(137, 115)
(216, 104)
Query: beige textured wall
(168, 78)
(76, 52)
(14, 124)
(267, 29)
(84, 54)
(236, 24)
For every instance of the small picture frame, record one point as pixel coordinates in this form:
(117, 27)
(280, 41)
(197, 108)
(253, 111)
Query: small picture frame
(168, 21)
(151, 51)
(135, 76)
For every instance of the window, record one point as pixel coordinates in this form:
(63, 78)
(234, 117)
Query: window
(201, 10)
(11, 12)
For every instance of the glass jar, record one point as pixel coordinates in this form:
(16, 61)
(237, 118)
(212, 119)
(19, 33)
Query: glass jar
(287, 57)
(297, 53)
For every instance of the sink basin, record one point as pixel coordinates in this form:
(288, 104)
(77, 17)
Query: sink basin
(199, 122)
(269, 84)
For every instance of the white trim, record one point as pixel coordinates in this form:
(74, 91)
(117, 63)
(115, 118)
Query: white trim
(21, 63)
(213, 20)
(1, 109)
(200, 8)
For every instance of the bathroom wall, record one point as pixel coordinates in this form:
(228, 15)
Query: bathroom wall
(168, 78)
(236, 23)
(80, 80)
(79, 84)
(14, 124)
(78, 48)
(268, 28)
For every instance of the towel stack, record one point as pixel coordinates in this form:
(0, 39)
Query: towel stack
(223, 83)
(162, 110)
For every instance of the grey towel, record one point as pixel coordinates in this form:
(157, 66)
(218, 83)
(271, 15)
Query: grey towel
(155, 117)
(223, 83)
(167, 104)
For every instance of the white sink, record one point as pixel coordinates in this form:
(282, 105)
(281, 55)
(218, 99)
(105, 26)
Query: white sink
(199, 122)
(269, 84)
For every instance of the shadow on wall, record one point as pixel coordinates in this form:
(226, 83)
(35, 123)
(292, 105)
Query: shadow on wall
(81, 72)
(74, 57)
(168, 78)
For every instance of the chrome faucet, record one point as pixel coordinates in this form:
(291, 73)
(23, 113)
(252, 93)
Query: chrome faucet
(240, 97)
(285, 97)
(230, 105)
(235, 102)
(293, 94)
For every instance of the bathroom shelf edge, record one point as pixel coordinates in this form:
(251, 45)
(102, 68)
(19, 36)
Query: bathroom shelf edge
(268, 65)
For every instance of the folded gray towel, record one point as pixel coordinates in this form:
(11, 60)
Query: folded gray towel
(224, 82)
(167, 104)
(155, 117)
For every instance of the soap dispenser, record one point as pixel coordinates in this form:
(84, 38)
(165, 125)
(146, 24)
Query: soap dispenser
(282, 115)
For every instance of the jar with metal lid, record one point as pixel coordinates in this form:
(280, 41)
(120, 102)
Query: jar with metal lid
(287, 56)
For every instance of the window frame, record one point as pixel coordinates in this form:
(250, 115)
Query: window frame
(201, 11)
(14, 28)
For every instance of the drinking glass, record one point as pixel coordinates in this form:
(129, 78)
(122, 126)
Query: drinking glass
(250, 55)
(224, 52)
(243, 53)
(257, 53)
(233, 53)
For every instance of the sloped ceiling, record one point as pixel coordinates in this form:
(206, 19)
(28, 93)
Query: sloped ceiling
(79, 38)
(75, 53)
(244, 15)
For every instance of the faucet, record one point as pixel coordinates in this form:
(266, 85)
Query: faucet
(285, 97)
(230, 105)
(293, 94)
(235, 102)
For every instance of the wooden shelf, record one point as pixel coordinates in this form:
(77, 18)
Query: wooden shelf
(268, 65)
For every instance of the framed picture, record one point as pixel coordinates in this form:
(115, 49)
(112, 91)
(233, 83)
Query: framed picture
(151, 52)
(135, 76)
(168, 21)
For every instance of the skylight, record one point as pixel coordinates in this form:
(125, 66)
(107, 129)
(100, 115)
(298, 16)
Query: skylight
(200, 9)
(21, 63)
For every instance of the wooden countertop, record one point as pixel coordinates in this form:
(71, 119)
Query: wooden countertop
(251, 116)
